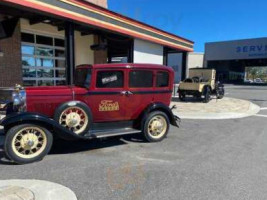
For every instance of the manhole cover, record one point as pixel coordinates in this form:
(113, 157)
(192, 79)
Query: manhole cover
(15, 193)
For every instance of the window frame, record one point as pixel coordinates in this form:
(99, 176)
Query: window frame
(156, 78)
(136, 88)
(110, 70)
(54, 59)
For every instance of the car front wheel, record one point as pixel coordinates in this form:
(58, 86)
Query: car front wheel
(207, 93)
(156, 126)
(27, 143)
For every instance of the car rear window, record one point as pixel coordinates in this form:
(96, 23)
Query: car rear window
(141, 79)
(83, 77)
(109, 79)
(162, 79)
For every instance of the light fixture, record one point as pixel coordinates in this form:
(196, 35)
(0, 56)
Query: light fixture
(47, 21)
(1, 54)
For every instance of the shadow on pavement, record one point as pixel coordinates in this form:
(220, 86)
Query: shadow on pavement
(3, 159)
(190, 99)
(67, 147)
(257, 100)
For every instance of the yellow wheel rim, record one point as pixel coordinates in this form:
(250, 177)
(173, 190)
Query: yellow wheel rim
(29, 142)
(157, 127)
(74, 119)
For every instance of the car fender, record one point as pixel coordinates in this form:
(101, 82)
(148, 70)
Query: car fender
(39, 119)
(174, 120)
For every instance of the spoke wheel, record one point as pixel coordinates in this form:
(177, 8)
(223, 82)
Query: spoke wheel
(156, 126)
(29, 142)
(75, 119)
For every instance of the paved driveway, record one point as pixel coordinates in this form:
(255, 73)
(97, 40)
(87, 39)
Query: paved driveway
(204, 159)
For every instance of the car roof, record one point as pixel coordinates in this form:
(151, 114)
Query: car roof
(127, 65)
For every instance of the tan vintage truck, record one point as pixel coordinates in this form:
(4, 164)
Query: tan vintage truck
(201, 83)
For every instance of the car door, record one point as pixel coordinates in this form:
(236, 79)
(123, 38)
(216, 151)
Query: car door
(106, 97)
(140, 91)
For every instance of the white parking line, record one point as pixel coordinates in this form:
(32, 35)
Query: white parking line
(264, 108)
(257, 115)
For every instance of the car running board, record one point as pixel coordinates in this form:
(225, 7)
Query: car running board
(111, 133)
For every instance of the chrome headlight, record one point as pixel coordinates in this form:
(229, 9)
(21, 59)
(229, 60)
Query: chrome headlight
(19, 98)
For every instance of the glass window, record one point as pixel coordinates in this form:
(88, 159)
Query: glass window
(47, 52)
(60, 63)
(27, 37)
(141, 79)
(28, 61)
(43, 62)
(45, 73)
(60, 53)
(59, 43)
(60, 73)
(29, 83)
(44, 40)
(109, 79)
(46, 83)
(26, 49)
(29, 73)
(61, 82)
(162, 79)
(83, 77)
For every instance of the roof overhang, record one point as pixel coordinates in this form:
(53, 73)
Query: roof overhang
(92, 15)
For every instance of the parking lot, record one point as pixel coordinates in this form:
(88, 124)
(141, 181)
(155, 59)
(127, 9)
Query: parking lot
(204, 159)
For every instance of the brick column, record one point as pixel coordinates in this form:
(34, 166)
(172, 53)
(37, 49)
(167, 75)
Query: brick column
(10, 61)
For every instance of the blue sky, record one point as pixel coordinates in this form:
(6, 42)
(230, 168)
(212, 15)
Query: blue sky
(200, 20)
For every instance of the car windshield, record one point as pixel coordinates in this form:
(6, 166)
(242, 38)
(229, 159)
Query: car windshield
(83, 77)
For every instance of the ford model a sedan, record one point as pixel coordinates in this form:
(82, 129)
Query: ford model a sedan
(106, 100)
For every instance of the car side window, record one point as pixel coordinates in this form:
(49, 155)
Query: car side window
(141, 79)
(110, 79)
(162, 79)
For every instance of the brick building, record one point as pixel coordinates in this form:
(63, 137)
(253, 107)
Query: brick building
(41, 42)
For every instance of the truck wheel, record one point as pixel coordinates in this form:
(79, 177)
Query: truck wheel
(156, 126)
(182, 96)
(27, 143)
(207, 93)
(76, 118)
(220, 93)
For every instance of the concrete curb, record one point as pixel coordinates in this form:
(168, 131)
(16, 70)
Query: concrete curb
(42, 190)
(253, 109)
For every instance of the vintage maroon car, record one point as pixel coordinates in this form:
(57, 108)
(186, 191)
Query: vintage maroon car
(106, 100)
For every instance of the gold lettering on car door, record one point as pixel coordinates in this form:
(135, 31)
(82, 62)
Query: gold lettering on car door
(108, 105)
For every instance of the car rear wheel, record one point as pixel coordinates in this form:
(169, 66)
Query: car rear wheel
(27, 143)
(76, 118)
(156, 126)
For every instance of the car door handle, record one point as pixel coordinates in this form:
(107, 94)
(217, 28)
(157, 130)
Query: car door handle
(126, 93)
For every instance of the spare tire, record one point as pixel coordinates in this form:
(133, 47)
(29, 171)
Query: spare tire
(75, 116)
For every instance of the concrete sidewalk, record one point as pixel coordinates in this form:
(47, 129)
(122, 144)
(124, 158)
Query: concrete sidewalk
(34, 190)
(226, 108)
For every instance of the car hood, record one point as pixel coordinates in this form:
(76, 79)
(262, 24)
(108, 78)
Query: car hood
(49, 90)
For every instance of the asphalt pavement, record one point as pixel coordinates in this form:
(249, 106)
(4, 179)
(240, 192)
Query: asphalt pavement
(203, 159)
